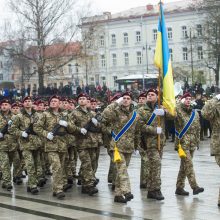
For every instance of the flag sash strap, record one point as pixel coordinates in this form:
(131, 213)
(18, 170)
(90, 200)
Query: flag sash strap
(187, 126)
(125, 128)
(151, 119)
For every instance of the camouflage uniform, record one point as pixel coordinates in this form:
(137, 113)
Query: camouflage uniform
(71, 156)
(211, 112)
(189, 143)
(144, 173)
(119, 116)
(8, 153)
(150, 145)
(56, 149)
(86, 145)
(29, 145)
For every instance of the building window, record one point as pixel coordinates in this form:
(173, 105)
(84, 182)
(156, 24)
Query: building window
(170, 33)
(102, 60)
(102, 41)
(184, 32)
(114, 59)
(155, 34)
(125, 38)
(171, 54)
(199, 30)
(139, 58)
(200, 53)
(126, 58)
(185, 53)
(138, 36)
(114, 79)
(1, 76)
(113, 39)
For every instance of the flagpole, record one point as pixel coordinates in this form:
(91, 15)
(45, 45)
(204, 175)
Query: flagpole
(159, 96)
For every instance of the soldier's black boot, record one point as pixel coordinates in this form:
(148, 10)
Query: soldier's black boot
(181, 192)
(113, 187)
(79, 182)
(151, 195)
(41, 182)
(92, 190)
(9, 187)
(159, 195)
(198, 190)
(17, 180)
(96, 182)
(66, 187)
(60, 195)
(0, 175)
(129, 196)
(219, 204)
(70, 180)
(84, 190)
(34, 191)
(120, 199)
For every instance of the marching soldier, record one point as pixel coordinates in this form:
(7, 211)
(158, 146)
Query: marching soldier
(22, 128)
(52, 126)
(211, 112)
(8, 148)
(80, 121)
(142, 100)
(187, 127)
(150, 132)
(126, 136)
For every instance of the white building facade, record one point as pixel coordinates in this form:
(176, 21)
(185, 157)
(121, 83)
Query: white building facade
(126, 41)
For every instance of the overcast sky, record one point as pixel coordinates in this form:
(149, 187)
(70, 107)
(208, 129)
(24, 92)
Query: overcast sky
(120, 5)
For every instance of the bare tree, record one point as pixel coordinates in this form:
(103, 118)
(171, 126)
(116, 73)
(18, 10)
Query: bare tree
(43, 22)
(211, 33)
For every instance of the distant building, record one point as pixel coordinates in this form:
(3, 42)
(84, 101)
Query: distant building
(124, 43)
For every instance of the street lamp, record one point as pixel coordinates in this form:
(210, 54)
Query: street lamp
(147, 62)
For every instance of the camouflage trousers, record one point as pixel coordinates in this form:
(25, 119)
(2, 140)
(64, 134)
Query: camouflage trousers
(122, 181)
(21, 164)
(6, 160)
(112, 169)
(44, 162)
(88, 164)
(154, 178)
(217, 158)
(186, 170)
(144, 174)
(71, 161)
(33, 166)
(57, 161)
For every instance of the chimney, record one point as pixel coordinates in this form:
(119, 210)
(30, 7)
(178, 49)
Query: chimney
(149, 7)
(108, 14)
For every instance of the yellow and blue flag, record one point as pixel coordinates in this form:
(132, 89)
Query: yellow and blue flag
(163, 61)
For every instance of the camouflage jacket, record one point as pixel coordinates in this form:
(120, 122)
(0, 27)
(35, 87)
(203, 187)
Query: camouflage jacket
(149, 132)
(191, 139)
(78, 119)
(115, 117)
(20, 123)
(8, 142)
(211, 112)
(46, 124)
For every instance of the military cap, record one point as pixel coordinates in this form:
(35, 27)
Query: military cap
(142, 94)
(38, 102)
(115, 97)
(93, 100)
(26, 98)
(127, 94)
(82, 95)
(187, 94)
(65, 99)
(5, 101)
(53, 97)
(15, 105)
(152, 90)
